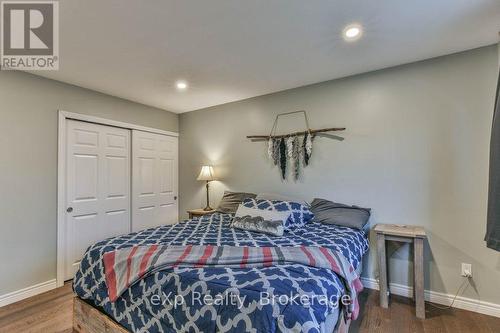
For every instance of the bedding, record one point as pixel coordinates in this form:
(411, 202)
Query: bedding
(124, 267)
(300, 214)
(178, 289)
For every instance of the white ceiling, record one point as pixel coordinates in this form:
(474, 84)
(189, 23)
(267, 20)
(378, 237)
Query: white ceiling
(229, 50)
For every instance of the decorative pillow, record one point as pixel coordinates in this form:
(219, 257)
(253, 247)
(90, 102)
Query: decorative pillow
(258, 220)
(258, 224)
(271, 215)
(330, 212)
(300, 214)
(231, 200)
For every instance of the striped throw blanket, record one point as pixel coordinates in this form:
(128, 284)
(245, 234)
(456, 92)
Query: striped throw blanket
(124, 267)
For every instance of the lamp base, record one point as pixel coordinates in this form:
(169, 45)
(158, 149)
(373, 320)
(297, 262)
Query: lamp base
(208, 208)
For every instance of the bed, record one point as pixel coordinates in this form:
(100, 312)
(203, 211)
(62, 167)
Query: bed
(152, 305)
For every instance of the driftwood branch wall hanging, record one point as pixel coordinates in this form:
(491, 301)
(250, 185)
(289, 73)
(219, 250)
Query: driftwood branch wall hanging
(291, 152)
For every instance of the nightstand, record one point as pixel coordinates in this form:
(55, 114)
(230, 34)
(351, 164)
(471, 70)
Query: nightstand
(199, 212)
(406, 234)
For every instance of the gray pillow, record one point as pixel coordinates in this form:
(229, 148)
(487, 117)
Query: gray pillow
(231, 200)
(330, 212)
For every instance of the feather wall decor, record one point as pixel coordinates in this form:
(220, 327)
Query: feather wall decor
(291, 153)
(307, 148)
(309, 144)
(293, 148)
(289, 147)
(282, 152)
(288, 153)
(276, 151)
(270, 148)
(296, 157)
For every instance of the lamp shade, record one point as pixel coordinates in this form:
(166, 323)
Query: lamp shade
(206, 173)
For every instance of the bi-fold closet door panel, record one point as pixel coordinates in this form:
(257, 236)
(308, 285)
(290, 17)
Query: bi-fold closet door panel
(154, 180)
(97, 187)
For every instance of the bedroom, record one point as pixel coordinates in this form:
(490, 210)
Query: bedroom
(142, 120)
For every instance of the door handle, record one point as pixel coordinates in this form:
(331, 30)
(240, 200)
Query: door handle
(69, 209)
(175, 197)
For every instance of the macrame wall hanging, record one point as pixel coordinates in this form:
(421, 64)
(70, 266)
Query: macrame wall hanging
(291, 152)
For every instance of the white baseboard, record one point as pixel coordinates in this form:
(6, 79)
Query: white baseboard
(21, 294)
(463, 303)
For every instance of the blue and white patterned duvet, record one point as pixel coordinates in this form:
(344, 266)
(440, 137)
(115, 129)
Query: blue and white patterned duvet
(239, 299)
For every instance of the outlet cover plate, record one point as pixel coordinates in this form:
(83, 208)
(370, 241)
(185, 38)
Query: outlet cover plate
(466, 270)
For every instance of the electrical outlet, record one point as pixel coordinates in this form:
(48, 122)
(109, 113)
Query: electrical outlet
(466, 270)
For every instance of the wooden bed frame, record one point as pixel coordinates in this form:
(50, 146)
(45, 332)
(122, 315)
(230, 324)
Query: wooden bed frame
(87, 319)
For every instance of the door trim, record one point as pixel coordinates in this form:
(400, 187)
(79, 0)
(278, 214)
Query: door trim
(61, 174)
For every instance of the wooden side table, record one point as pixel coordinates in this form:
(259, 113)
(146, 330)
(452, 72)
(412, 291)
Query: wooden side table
(406, 234)
(199, 212)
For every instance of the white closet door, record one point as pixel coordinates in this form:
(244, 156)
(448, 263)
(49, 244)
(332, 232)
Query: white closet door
(154, 180)
(97, 187)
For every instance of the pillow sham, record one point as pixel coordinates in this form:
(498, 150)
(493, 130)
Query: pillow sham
(300, 214)
(258, 224)
(330, 212)
(265, 214)
(258, 220)
(231, 200)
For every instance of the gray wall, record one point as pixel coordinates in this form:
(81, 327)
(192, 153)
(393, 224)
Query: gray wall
(28, 167)
(415, 151)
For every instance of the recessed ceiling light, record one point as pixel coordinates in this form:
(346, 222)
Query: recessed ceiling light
(352, 32)
(181, 85)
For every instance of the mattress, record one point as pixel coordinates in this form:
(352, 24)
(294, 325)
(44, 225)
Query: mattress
(136, 311)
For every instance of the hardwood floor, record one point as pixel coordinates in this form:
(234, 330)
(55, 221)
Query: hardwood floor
(52, 313)
(49, 312)
(400, 318)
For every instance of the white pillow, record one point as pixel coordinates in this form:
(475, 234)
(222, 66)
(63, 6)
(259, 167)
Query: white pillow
(268, 215)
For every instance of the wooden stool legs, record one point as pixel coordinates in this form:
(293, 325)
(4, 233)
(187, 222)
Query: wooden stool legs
(418, 271)
(382, 266)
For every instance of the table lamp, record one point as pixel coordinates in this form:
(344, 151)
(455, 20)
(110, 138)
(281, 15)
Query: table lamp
(207, 174)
